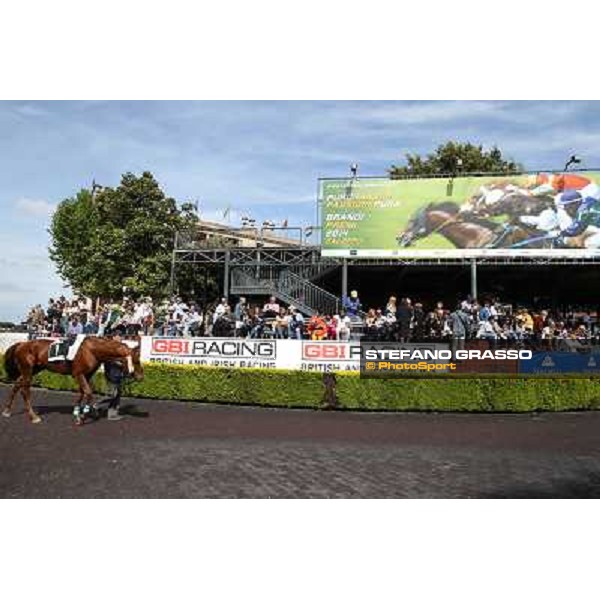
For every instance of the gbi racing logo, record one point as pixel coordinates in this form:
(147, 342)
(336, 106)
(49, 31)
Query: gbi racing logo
(326, 351)
(170, 346)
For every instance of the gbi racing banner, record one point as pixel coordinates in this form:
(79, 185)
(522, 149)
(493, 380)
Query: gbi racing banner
(214, 352)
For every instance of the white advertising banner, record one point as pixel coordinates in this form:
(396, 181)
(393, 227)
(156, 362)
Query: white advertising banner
(9, 338)
(319, 356)
(214, 352)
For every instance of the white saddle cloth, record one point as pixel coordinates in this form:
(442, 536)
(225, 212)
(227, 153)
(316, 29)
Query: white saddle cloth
(73, 349)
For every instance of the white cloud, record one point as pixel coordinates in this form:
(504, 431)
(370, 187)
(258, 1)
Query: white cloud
(30, 110)
(218, 215)
(29, 276)
(35, 208)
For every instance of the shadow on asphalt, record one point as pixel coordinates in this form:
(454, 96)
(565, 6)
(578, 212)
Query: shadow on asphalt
(129, 410)
(582, 487)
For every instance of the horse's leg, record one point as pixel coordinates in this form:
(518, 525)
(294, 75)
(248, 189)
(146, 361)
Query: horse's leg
(88, 407)
(84, 396)
(26, 391)
(11, 397)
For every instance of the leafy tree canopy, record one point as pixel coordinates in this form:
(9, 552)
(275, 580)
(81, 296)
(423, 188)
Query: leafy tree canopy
(453, 158)
(121, 237)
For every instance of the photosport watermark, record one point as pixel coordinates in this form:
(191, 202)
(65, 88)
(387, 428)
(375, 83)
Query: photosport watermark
(478, 358)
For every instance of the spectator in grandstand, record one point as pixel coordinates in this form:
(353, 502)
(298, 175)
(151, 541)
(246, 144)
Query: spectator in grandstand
(161, 318)
(224, 326)
(192, 321)
(240, 314)
(221, 309)
(142, 316)
(54, 311)
(240, 309)
(539, 322)
(485, 329)
(381, 325)
(404, 318)
(317, 328)
(391, 308)
(467, 304)
(525, 321)
(75, 328)
(91, 325)
(281, 324)
(111, 320)
(484, 312)
(419, 322)
(493, 309)
(370, 324)
(352, 305)
(332, 326)
(459, 322)
(548, 334)
(177, 309)
(343, 328)
(55, 328)
(434, 325)
(271, 308)
(296, 324)
(256, 323)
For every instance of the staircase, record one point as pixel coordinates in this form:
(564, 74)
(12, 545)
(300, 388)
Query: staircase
(287, 286)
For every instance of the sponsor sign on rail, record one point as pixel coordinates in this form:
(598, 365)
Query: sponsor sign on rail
(9, 338)
(305, 355)
(329, 356)
(214, 352)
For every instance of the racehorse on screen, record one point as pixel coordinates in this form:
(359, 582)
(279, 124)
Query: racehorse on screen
(25, 359)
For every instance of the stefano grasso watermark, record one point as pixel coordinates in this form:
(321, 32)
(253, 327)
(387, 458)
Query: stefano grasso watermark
(398, 360)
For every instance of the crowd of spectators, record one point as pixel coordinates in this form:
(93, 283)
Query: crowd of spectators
(471, 319)
(402, 321)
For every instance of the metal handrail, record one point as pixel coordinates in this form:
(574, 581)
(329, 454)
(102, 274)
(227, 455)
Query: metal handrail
(308, 293)
(288, 286)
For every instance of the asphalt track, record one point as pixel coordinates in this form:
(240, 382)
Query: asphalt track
(166, 449)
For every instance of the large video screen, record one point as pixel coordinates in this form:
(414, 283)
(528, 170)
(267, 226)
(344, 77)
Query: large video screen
(542, 214)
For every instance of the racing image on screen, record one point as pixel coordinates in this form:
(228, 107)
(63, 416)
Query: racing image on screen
(534, 214)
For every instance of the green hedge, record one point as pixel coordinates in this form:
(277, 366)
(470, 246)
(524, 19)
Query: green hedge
(303, 389)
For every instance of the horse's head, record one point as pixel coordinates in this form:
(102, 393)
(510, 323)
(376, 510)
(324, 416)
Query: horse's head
(415, 229)
(138, 369)
(134, 360)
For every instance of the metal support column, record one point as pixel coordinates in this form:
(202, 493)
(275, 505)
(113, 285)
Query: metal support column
(474, 278)
(226, 275)
(172, 280)
(344, 277)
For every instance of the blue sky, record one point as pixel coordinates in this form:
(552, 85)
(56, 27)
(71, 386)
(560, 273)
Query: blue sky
(263, 158)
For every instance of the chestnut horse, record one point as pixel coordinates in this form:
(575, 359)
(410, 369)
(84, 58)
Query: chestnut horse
(465, 230)
(444, 218)
(24, 359)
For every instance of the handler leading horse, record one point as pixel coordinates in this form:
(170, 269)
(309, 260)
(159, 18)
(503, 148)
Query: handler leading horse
(24, 359)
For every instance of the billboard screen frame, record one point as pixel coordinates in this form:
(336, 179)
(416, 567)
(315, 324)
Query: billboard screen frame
(449, 253)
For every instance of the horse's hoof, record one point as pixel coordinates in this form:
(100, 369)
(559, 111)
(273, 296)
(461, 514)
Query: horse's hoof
(37, 419)
(6, 413)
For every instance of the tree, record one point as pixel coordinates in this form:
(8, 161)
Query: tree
(446, 160)
(122, 237)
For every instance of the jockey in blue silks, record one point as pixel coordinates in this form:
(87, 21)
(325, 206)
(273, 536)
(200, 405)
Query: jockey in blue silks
(583, 207)
(352, 304)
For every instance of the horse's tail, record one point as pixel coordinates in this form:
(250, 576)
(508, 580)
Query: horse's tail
(10, 363)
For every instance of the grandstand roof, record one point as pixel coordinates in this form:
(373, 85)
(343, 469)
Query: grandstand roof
(213, 233)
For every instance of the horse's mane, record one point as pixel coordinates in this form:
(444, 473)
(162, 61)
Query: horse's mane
(109, 342)
(445, 205)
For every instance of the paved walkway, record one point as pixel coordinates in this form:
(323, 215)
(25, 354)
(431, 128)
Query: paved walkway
(167, 449)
